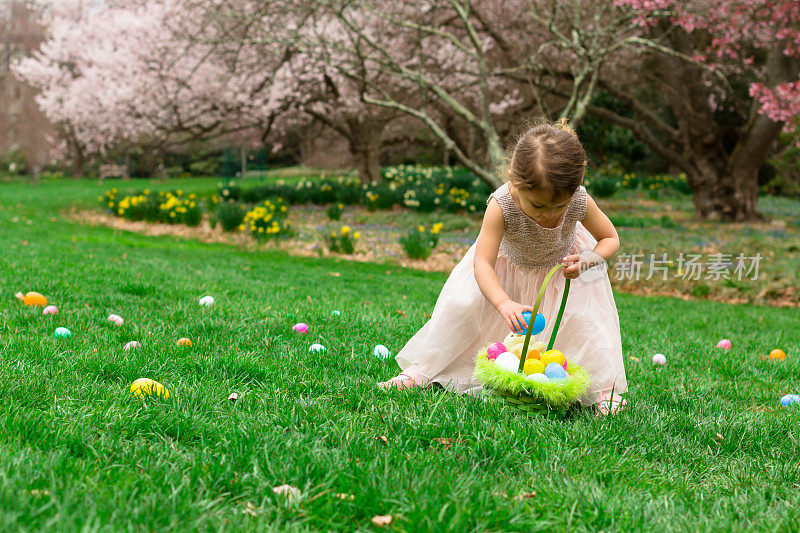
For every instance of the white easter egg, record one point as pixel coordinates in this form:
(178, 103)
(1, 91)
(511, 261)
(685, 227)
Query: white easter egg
(536, 377)
(507, 361)
(207, 301)
(659, 359)
(316, 348)
(381, 352)
(116, 319)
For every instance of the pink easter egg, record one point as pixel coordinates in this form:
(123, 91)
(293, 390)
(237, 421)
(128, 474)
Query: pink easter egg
(131, 345)
(724, 344)
(565, 363)
(495, 349)
(50, 310)
(300, 327)
(116, 319)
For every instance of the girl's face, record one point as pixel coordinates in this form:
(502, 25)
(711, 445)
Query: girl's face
(541, 207)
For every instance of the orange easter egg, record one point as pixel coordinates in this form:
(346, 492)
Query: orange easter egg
(184, 342)
(534, 354)
(777, 354)
(34, 298)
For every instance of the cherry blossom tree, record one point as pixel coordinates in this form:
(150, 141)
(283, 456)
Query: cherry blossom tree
(727, 71)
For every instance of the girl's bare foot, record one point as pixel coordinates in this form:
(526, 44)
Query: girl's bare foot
(403, 381)
(607, 406)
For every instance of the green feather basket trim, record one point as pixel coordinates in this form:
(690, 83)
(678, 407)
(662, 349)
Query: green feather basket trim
(553, 394)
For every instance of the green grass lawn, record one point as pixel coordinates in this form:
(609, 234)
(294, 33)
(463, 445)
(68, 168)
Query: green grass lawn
(704, 445)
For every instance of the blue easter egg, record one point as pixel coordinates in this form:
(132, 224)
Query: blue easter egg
(538, 324)
(790, 399)
(555, 371)
(336, 312)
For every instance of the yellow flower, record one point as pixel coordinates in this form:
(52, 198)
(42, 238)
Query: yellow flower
(110, 204)
(283, 209)
(356, 235)
(333, 234)
(421, 229)
(345, 230)
(241, 227)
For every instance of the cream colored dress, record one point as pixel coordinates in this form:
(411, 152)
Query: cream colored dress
(463, 321)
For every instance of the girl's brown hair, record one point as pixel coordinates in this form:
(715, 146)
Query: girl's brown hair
(548, 156)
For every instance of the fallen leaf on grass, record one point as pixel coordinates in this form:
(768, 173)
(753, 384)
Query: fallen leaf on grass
(634, 358)
(761, 408)
(291, 493)
(382, 520)
(401, 313)
(335, 274)
(446, 441)
(250, 509)
(719, 436)
(382, 438)
(518, 497)
(343, 496)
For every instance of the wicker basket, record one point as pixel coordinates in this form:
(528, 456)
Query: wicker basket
(535, 398)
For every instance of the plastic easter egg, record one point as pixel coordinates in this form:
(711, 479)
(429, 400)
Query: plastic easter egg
(534, 354)
(336, 312)
(300, 327)
(184, 342)
(553, 356)
(144, 387)
(20, 297)
(533, 366)
(495, 349)
(565, 364)
(555, 371)
(539, 346)
(507, 361)
(790, 399)
(207, 301)
(659, 359)
(536, 377)
(62, 333)
(131, 346)
(316, 348)
(777, 354)
(724, 344)
(34, 298)
(50, 310)
(116, 319)
(538, 324)
(381, 352)
(516, 350)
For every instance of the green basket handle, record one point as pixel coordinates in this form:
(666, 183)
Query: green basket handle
(547, 278)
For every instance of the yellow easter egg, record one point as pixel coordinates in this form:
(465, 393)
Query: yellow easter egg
(533, 366)
(147, 387)
(553, 356)
(534, 354)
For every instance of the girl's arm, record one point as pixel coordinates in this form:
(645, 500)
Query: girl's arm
(486, 249)
(601, 228)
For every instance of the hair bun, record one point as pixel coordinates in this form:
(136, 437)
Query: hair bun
(563, 124)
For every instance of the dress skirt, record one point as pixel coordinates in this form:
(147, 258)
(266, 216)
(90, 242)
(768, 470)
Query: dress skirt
(463, 321)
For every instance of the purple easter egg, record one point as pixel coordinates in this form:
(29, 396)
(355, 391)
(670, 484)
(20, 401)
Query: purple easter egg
(495, 349)
(300, 327)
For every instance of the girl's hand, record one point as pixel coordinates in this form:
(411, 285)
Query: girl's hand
(578, 264)
(511, 311)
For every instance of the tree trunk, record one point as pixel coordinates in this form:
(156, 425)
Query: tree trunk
(367, 158)
(244, 162)
(78, 161)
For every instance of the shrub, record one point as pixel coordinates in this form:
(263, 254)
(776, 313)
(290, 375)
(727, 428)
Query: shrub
(229, 191)
(268, 221)
(603, 186)
(230, 215)
(334, 211)
(342, 241)
(418, 243)
(205, 168)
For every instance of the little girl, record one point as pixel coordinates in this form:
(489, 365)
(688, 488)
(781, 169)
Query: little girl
(540, 218)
